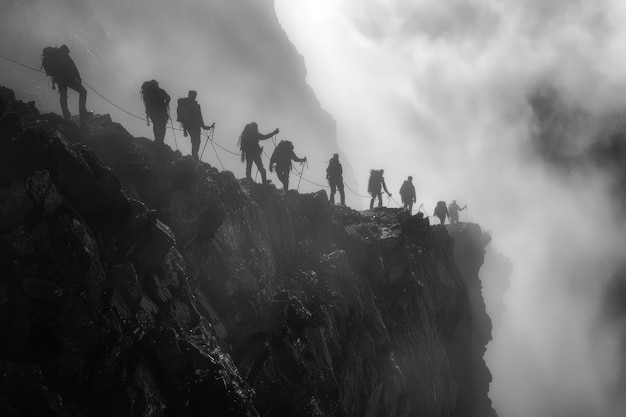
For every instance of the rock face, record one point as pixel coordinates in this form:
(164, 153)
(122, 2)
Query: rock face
(137, 282)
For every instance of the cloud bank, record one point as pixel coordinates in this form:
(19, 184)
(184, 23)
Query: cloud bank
(447, 92)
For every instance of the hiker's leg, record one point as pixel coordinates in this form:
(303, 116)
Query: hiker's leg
(259, 165)
(342, 194)
(372, 201)
(63, 99)
(333, 189)
(82, 97)
(286, 179)
(82, 101)
(248, 166)
(158, 127)
(380, 199)
(195, 142)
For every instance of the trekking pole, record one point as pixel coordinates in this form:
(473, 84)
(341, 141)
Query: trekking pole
(211, 129)
(174, 133)
(215, 150)
(301, 172)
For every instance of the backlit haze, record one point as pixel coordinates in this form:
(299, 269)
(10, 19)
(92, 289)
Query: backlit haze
(440, 91)
(453, 93)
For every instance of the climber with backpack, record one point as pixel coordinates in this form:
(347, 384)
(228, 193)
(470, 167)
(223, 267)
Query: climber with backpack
(250, 149)
(453, 211)
(189, 114)
(58, 65)
(334, 175)
(441, 211)
(375, 186)
(281, 157)
(407, 194)
(157, 103)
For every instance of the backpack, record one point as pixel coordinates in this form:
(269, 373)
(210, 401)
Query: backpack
(374, 181)
(184, 111)
(405, 189)
(246, 140)
(334, 169)
(282, 153)
(51, 61)
(154, 97)
(441, 208)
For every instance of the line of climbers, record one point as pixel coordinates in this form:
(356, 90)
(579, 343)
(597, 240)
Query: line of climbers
(64, 74)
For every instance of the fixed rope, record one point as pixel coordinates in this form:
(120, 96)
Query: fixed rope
(174, 133)
(22, 65)
(213, 142)
(306, 164)
(207, 137)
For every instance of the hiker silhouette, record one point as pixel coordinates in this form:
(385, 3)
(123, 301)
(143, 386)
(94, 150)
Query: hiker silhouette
(61, 68)
(157, 103)
(334, 175)
(189, 114)
(407, 194)
(250, 149)
(282, 157)
(375, 186)
(441, 211)
(453, 210)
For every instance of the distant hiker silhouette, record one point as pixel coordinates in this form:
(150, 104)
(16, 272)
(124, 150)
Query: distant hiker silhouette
(407, 194)
(189, 114)
(250, 149)
(375, 186)
(282, 157)
(58, 65)
(441, 211)
(157, 103)
(453, 210)
(334, 175)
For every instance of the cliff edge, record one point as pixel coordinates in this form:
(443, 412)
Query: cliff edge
(136, 282)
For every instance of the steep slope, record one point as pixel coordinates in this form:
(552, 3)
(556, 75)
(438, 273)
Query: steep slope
(133, 273)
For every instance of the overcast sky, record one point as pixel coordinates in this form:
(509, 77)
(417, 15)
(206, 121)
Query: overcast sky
(439, 90)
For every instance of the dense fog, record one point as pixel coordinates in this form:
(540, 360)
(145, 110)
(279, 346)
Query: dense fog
(501, 106)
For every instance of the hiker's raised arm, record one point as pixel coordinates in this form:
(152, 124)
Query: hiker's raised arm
(294, 157)
(269, 135)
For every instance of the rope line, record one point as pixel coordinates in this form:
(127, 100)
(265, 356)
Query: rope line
(111, 103)
(209, 138)
(213, 142)
(174, 133)
(22, 65)
(355, 193)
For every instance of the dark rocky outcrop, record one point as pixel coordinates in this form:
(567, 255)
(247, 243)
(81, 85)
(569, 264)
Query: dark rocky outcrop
(137, 282)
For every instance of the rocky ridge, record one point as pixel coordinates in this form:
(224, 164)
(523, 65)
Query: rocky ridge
(137, 282)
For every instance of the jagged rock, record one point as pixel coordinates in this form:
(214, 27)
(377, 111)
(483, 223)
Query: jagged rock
(161, 304)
